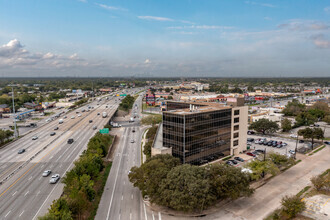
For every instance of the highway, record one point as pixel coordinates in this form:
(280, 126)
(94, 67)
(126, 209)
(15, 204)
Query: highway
(27, 195)
(120, 199)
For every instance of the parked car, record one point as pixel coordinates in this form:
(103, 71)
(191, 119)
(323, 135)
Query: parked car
(251, 154)
(20, 151)
(46, 173)
(284, 144)
(301, 141)
(239, 159)
(327, 142)
(279, 146)
(233, 161)
(250, 132)
(293, 135)
(250, 139)
(292, 152)
(230, 163)
(260, 151)
(55, 178)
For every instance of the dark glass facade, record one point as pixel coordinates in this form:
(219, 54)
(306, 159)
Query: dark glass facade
(197, 137)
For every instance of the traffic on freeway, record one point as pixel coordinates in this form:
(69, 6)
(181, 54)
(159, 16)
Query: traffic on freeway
(26, 191)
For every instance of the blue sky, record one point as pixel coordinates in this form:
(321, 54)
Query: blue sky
(221, 38)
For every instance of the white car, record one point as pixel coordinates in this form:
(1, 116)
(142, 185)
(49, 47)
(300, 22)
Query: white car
(72, 117)
(34, 137)
(293, 135)
(46, 173)
(79, 115)
(55, 178)
(132, 141)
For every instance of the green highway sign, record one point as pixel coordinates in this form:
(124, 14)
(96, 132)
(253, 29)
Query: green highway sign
(122, 94)
(104, 131)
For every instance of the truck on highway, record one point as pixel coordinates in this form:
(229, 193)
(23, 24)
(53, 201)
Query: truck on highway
(116, 125)
(131, 120)
(60, 121)
(104, 115)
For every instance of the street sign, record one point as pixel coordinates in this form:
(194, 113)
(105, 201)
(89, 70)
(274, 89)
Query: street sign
(122, 94)
(104, 131)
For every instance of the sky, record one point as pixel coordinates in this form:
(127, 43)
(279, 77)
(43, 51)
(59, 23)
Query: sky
(165, 38)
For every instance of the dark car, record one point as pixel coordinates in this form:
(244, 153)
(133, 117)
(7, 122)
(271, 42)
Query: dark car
(230, 163)
(70, 141)
(90, 121)
(239, 159)
(301, 141)
(250, 132)
(327, 142)
(233, 161)
(250, 139)
(260, 151)
(52, 133)
(56, 128)
(279, 146)
(20, 151)
(133, 130)
(270, 143)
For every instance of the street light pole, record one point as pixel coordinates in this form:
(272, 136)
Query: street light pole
(15, 129)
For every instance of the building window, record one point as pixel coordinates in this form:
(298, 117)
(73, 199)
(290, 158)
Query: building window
(236, 127)
(236, 120)
(236, 135)
(236, 143)
(236, 112)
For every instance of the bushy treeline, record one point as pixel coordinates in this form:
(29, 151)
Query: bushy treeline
(150, 136)
(78, 198)
(186, 187)
(127, 103)
(5, 135)
(305, 115)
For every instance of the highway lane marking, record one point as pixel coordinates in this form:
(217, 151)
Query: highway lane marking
(122, 197)
(145, 211)
(30, 178)
(153, 217)
(38, 193)
(114, 186)
(130, 215)
(21, 213)
(7, 213)
(39, 178)
(159, 216)
(14, 193)
(132, 196)
(26, 193)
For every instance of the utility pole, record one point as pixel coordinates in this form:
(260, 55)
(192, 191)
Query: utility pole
(295, 150)
(15, 129)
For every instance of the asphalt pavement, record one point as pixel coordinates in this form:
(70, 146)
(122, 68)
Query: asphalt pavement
(27, 195)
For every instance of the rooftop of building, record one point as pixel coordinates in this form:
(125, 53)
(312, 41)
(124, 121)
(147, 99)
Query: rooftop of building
(197, 107)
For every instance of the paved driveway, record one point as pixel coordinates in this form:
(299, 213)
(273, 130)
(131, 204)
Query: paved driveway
(268, 197)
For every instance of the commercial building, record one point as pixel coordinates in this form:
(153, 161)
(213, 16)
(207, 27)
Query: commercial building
(200, 132)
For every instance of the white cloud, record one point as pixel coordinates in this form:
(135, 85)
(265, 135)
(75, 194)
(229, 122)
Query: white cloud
(304, 25)
(205, 27)
(111, 8)
(12, 48)
(153, 18)
(321, 42)
(260, 4)
(147, 61)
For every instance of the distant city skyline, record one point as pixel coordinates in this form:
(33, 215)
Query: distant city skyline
(188, 38)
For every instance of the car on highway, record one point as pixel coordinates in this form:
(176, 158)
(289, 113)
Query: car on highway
(94, 127)
(56, 128)
(52, 133)
(46, 173)
(79, 115)
(301, 141)
(20, 151)
(132, 141)
(55, 178)
(72, 117)
(64, 116)
(133, 130)
(34, 137)
(90, 121)
(98, 113)
(70, 140)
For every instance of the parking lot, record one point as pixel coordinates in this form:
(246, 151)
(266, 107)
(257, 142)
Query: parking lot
(291, 144)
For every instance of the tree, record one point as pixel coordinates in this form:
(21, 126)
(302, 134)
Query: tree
(292, 205)
(228, 182)
(304, 119)
(170, 97)
(311, 133)
(250, 88)
(259, 168)
(293, 108)
(186, 188)
(327, 119)
(59, 210)
(149, 175)
(264, 125)
(279, 159)
(167, 89)
(286, 125)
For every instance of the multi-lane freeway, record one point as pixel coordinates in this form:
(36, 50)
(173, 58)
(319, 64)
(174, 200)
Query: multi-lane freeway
(120, 199)
(26, 194)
